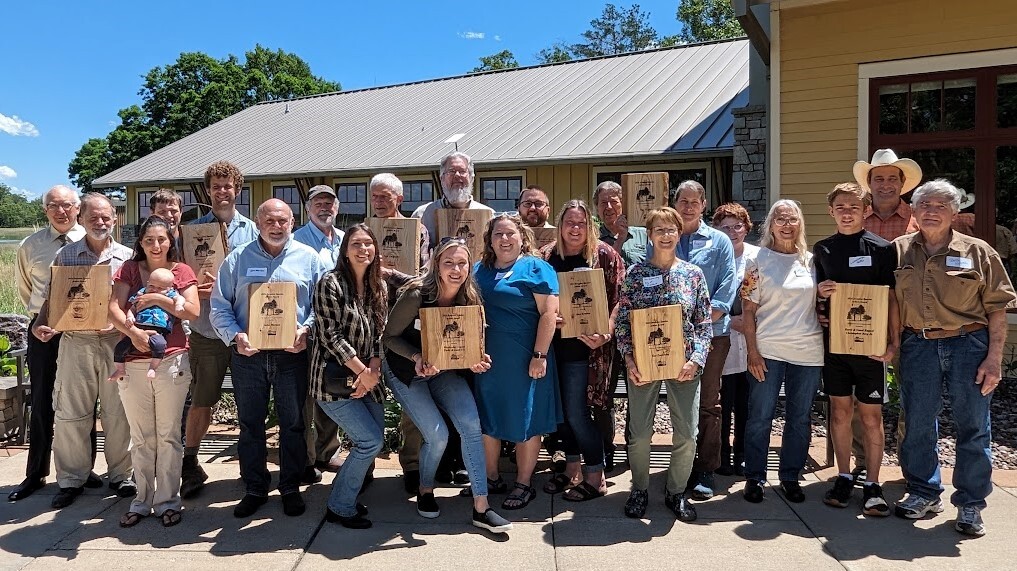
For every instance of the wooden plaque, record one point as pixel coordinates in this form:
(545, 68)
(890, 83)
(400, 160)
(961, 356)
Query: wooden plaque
(204, 249)
(399, 242)
(583, 303)
(658, 342)
(466, 224)
(858, 319)
(644, 192)
(452, 337)
(79, 297)
(272, 315)
(544, 236)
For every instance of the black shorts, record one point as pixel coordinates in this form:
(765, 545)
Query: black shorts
(847, 375)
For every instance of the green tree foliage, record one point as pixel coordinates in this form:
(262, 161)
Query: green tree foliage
(501, 60)
(704, 21)
(188, 95)
(16, 211)
(617, 30)
(557, 53)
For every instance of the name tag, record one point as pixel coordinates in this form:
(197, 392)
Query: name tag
(501, 275)
(654, 281)
(416, 324)
(958, 262)
(802, 273)
(257, 272)
(698, 244)
(860, 261)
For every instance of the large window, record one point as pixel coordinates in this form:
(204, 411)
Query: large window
(244, 201)
(416, 193)
(500, 193)
(352, 203)
(290, 195)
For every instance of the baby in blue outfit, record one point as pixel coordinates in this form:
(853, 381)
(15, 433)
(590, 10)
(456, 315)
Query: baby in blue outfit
(152, 318)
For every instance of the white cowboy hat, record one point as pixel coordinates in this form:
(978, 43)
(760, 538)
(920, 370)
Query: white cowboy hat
(887, 158)
(967, 199)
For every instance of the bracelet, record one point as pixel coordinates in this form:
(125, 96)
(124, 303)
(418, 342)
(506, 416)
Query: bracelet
(362, 371)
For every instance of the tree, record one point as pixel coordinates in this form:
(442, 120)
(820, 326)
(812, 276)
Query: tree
(617, 30)
(188, 95)
(501, 60)
(706, 20)
(16, 211)
(557, 53)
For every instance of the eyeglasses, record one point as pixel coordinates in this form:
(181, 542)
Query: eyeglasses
(533, 204)
(732, 228)
(447, 239)
(54, 206)
(459, 172)
(782, 221)
(665, 231)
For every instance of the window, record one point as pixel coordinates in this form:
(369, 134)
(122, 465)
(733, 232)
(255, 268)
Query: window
(352, 203)
(244, 201)
(290, 195)
(416, 193)
(500, 193)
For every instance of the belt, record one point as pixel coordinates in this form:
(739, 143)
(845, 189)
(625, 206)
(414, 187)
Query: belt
(937, 333)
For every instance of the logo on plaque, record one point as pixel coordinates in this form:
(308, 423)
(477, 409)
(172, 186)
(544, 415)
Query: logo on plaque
(203, 249)
(449, 336)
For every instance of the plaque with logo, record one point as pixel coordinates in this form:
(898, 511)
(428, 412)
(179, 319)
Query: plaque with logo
(204, 248)
(79, 297)
(643, 192)
(466, 224)
(398, 243)
(272, 315)
(583, 303)
(658, 342)
(452, 337)
(858, 319)
(544, 236)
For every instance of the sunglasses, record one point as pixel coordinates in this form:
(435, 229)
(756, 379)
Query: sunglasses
(447, 239)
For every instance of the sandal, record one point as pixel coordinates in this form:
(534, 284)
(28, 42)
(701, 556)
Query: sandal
(581, 493)
(493, 487)
(519, 500)
(557, 484)
(170, 518)
(130, 519)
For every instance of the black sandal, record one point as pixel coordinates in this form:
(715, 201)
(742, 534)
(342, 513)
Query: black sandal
(170, 518)
(130, 519)
(557, 484)
(524, 496)
(493, 487)
(582, 492)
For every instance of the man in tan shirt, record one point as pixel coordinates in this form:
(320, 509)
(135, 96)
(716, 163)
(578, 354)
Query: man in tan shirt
(953, 292)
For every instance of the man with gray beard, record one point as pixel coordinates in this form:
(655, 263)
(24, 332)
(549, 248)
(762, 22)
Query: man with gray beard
(457, 176)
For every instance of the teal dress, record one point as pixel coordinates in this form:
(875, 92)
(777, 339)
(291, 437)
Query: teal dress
(513, 406)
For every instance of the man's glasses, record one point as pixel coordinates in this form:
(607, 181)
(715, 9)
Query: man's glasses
(533, 204)
(54, 206)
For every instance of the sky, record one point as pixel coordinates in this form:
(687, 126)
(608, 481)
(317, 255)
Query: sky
(67, 67)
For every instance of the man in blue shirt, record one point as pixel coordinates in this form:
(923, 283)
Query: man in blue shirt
(207, 354)
(257, 374)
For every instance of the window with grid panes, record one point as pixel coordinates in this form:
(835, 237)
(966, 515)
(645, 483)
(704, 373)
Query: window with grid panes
(352, 203)
(500, 193)
(416, 193)
(291, 196)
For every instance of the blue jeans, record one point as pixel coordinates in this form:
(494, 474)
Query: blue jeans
(421, 400)
(579, 434)
(800, 386)
(363, 421)
(283, 375)
(925, 364)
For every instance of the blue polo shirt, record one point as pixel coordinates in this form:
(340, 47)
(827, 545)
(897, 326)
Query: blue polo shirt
(312, 236)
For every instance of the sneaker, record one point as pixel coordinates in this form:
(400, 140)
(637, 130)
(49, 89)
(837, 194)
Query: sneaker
(859, 474)
(635, 506)
(873, 502)
(914, 506)
(969, 521)
(840, 494)
(793, 491)
(680, 506)
(703, 488)
(491, 521)
(192, 477)
(461, 478)
(427, 506)
(124, 488)
(753, 491)
(353, 522)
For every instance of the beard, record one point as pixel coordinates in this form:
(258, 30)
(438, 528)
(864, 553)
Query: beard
(458, 196)
(100, 235)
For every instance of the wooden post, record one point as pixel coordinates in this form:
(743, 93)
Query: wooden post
(399, 243)
(858, 319)
(204, 248)
(644, 192)
(466, 224)
(658, 342)
(79, 297)
(583, 303)
(452, 337)
(272, 315)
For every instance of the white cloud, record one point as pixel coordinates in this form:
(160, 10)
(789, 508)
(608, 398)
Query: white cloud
(7, 172)
(471, 35)
(13, 125)
(497, 38)
(25, 192)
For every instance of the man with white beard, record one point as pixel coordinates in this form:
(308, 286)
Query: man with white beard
(457, 176)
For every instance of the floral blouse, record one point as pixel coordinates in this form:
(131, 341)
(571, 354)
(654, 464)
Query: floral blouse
(646, 286)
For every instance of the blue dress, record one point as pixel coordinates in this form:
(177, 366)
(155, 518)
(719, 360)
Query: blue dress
(513, 406)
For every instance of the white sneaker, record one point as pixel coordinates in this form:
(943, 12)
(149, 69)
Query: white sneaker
(914, 506)
(969, 521)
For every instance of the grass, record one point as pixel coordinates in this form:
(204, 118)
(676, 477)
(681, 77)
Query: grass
(10, 302)
(16, 233)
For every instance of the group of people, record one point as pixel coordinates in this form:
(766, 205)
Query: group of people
(752, 320)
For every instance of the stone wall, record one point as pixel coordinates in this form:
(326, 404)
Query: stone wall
(749, 186)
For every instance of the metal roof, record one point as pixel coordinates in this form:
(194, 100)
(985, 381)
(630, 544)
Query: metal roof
(669, 101)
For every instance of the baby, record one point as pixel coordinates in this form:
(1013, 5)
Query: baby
(152, 318)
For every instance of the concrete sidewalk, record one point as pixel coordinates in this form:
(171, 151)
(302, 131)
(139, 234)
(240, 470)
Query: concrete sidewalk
(549, 534)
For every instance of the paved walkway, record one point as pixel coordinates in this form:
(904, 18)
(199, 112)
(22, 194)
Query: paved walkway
(549, 534)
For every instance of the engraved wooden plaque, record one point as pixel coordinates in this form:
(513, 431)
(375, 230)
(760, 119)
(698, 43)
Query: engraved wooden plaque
(544, 236)
(858, 319)
(658, 342)
(452, 337)
(399, 243)
(79, 297)
(643, 192)
(272, 315)
(466, 224)
(583, 303)
(204, 249)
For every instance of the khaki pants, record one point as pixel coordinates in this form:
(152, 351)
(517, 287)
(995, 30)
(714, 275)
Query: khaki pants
(84, 362)
(683, 402)
(153, 413)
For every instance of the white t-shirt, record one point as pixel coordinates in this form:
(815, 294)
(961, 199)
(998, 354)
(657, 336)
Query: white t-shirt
(737, 357)
(787, 328)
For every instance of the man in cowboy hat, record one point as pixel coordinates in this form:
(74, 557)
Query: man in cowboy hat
(887, 178)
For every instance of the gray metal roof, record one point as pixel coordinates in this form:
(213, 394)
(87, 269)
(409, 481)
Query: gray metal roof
(669, 101)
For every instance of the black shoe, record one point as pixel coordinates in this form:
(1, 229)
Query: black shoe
(491, 521)
(311, 475)
(839, 496)
(124, 488)
(635, 506)
(26, 488)
(325, 466)
(444, 476)
(739, 467)
(192, 477)
(248, 505)
(427, 506)
(411, 481)
(93, 481)
(725, 469)
(680, 505)
(356, 522)
(461, 478)
(793, 492)
(703, 488)
(859, 474)
(753, 491)
(609, 462)
(293, 504)
(66, 497)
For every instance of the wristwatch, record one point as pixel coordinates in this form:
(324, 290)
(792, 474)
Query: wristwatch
(539, 355)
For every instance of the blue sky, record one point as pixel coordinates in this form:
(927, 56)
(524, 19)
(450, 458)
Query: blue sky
(66, 68)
